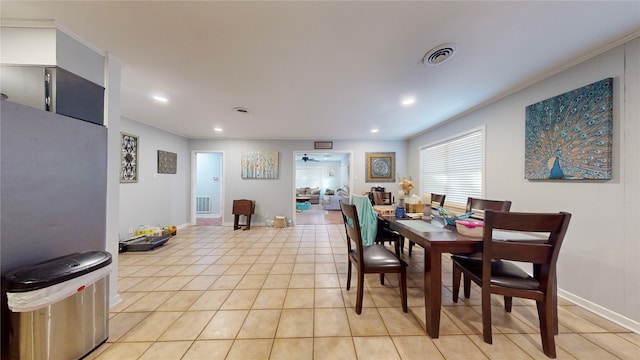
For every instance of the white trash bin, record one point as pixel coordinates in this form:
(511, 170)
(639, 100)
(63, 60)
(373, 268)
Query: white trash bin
(59, 309)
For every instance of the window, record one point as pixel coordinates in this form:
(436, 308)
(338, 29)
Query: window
(454, 167)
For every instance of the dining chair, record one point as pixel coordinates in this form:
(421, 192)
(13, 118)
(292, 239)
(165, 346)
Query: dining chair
(478, 206)
(382, 198)
(372, 259)
(374, 229)
(507, 279)
(436, 200)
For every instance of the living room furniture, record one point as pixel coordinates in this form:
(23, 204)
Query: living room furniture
(311, 195)
(373, 259)
(243, 207)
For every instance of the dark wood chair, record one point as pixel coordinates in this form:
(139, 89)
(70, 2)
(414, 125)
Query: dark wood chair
(436, 200)
(382, 198)
(374, 259)
(496, 276)
(478, 206)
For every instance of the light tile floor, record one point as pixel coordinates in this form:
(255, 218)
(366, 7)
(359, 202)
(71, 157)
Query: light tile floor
(215, 293)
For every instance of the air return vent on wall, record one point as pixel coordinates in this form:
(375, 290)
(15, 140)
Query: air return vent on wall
(203, 205)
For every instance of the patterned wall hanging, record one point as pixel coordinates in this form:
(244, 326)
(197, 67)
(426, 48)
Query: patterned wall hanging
(167, 162)
(569, 136)
(128, 158)
(381, 167)
(259, 164)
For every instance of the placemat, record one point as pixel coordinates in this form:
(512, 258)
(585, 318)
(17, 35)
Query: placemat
(422, 226)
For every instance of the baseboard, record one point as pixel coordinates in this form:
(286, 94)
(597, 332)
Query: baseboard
(621, 320)
(184, 225)
(115, 300)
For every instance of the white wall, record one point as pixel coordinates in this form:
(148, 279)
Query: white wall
(156, 199)
(277, 196)
(598, 265)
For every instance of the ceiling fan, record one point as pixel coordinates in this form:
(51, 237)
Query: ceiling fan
(305, 158)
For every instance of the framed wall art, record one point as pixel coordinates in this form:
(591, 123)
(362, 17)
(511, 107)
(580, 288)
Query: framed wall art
(381, 167)
(259, 164)
(167, 162)
(569, 136)
(129, 147)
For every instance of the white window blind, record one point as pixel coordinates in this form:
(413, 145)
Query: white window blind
(455, 168)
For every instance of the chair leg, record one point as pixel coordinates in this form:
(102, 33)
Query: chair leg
(486, 316)
(349, 275)
(411, 243)
(545, 313)
(397, 247)
(456, 282)
(381, 278)
(508, 301)
(467, 287)
(403, 289)
(360, 292)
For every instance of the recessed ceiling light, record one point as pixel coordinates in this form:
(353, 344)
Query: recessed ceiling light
(217, 129)
(160, 98)
(408, 101)
(374, 130)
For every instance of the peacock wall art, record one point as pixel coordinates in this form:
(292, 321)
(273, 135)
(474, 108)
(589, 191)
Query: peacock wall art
(569, 136)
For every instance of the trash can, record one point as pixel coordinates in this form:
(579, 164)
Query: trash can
(59, 308)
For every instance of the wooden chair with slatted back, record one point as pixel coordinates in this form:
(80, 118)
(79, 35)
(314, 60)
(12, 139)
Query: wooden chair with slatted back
(495, 275)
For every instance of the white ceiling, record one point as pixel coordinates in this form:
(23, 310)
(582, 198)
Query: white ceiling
(326, 70)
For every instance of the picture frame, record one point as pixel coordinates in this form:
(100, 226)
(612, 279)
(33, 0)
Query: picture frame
(167, 162)
(259, 164)
(570, 136)
(380, 167)
(129, 150)
(324, 145)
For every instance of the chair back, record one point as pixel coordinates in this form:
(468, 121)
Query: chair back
(438, 198)
(543, 254)
(352, 230)
(382, 198)
(367, 217)
(475, 204)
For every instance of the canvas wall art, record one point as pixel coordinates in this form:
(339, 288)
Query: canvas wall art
(128, 158)
(569, 136)
(167, 162)
(259, 164)
(381, 167)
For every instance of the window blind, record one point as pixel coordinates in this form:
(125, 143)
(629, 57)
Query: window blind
(454, 167)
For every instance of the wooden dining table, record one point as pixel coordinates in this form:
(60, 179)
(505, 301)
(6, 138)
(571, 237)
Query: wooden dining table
(436, 238)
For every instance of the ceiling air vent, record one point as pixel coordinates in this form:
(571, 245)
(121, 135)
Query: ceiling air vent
(439, 55)
(241, 110)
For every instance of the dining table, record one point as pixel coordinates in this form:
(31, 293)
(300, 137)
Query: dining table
(436, 237)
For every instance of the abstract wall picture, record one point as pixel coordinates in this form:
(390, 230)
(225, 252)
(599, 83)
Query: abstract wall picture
(259, 164)
(381, 167)
(167, 162)
(128, 158)
(569, 136)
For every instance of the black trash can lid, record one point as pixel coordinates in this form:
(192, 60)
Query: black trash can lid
(56, 270)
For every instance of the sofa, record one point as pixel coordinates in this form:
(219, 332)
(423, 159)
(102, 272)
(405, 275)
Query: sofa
(312, 195)
(332, 199)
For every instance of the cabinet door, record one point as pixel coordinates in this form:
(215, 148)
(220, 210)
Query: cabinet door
(23, 85)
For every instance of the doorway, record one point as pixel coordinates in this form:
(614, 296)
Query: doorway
(317, 178)
(207, 194)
